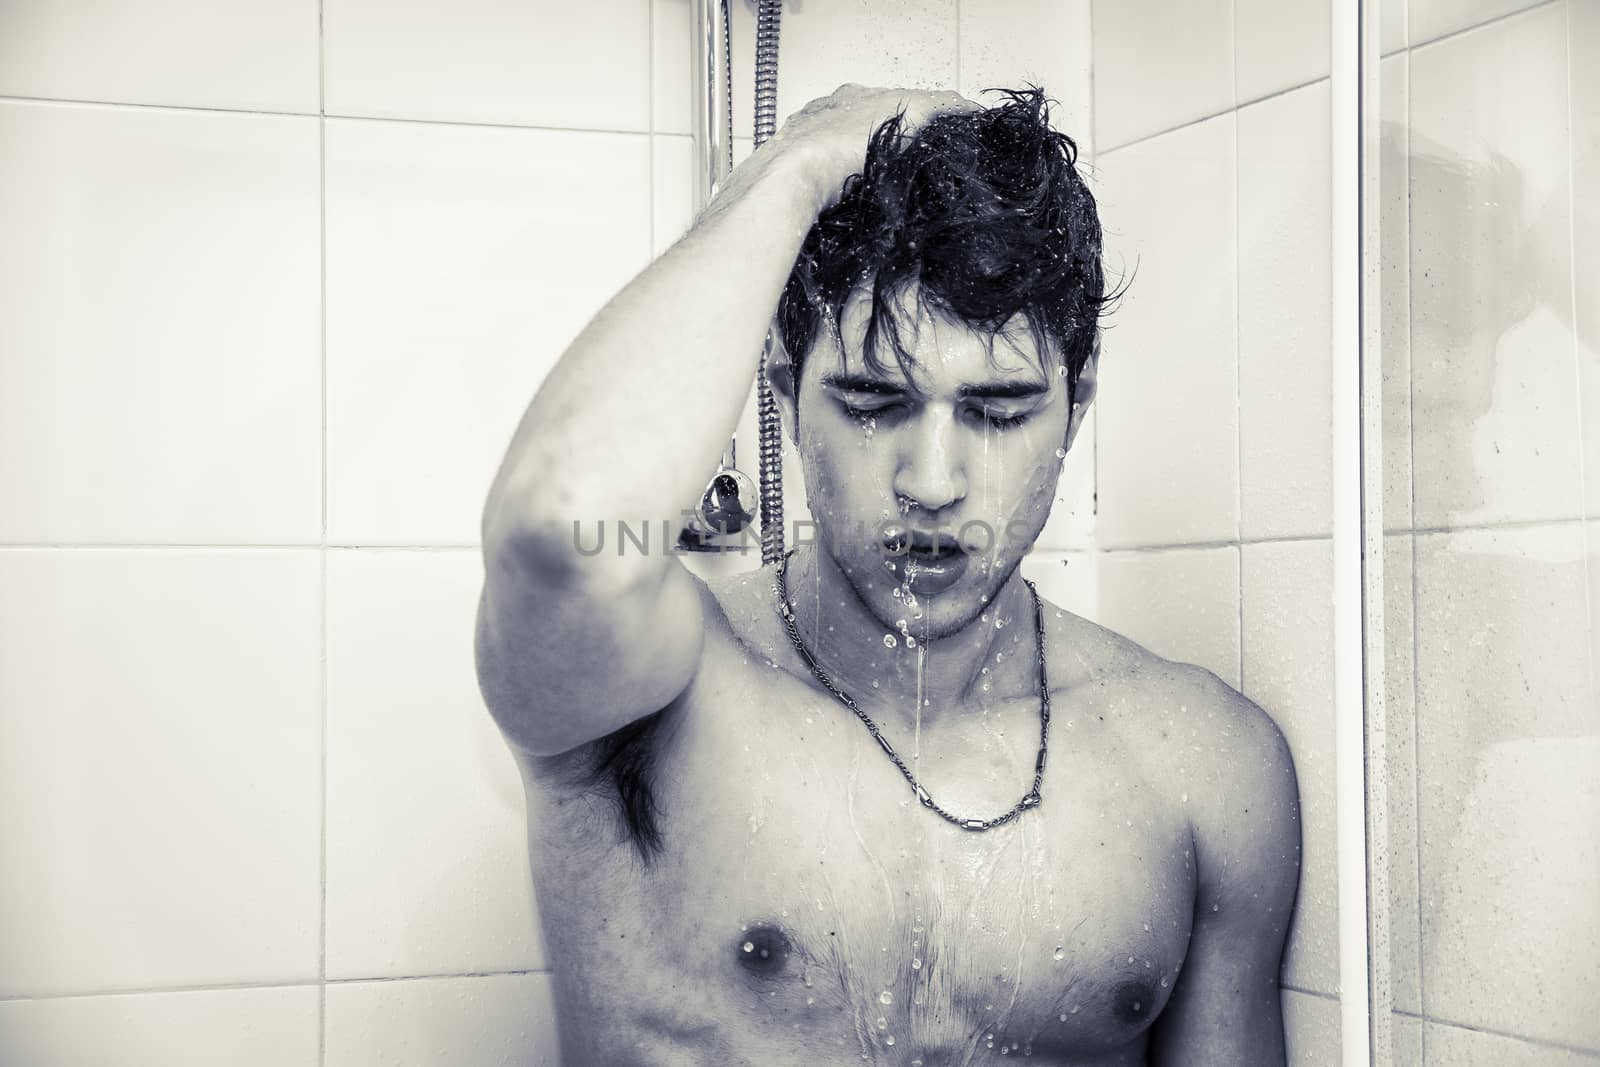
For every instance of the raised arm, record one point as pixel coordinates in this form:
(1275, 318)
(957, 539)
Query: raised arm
(1225, 1008)
(629, 425)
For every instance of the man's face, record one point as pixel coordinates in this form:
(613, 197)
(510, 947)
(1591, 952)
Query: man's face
(927, 492)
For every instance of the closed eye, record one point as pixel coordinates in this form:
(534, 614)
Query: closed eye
(996, 421)
(871, 412)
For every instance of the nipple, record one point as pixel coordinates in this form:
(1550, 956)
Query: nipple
(762, 950)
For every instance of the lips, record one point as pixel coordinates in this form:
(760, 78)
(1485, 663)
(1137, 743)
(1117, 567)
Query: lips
(926, 560)
(933, 548)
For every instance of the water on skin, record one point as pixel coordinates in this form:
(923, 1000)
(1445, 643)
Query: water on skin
(880, 1013)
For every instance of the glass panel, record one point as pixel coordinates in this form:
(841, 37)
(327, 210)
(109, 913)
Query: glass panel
(1491, 496)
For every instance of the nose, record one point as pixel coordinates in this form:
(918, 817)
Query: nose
(931, 469)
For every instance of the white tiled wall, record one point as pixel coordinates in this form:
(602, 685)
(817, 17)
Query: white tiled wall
(278, 279)
(1214, 429)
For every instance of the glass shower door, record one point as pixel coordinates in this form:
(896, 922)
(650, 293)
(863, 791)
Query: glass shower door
(1490, 490)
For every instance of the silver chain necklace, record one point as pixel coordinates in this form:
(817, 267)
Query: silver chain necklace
(1029, 799)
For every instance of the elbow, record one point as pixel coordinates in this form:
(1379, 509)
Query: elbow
(555, 551)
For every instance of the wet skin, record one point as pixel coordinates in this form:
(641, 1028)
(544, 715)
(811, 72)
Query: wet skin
(805, 908)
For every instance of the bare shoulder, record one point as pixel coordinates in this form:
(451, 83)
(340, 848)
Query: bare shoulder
(1221, 755)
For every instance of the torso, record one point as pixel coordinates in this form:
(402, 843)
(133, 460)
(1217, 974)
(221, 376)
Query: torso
(805, 909)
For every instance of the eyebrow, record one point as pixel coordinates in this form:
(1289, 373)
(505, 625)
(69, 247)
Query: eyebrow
(992, 390)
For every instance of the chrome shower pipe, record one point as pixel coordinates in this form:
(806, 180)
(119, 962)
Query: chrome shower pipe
(713, 106)
(712, 92)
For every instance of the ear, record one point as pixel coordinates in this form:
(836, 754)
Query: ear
(782, 383)
(1084, 395)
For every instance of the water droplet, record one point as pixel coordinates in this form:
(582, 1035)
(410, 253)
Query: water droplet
(889, 641)
(1061, 453)
(1063, 1016)
(1163, 981)
(889, 1040)
(916, 964)
(1061, 953)
(883, 1024)
(886, 997)
(749, 946)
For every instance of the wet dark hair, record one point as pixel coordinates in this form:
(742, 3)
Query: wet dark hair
(984, 212)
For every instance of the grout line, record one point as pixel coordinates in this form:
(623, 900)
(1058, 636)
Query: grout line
(321, 113)
(226, 987)
(1102, 548)
(650, 124)
(374, 979)
(322, 681)
(958, 86)
(1510, 1035)
(1232, 109)
(1412, 46)
(1411, 477)
(1238, 384)
(1310, 992)
(1486, 527)
(1577, 353)
(9, 98)
(91, 546)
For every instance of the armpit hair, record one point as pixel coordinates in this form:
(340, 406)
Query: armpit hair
(622, 766)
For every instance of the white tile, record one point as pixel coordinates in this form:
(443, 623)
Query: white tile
(1168, 378)
(251, 54)
(1391, 26)
(1069, 580)
(1311, 1029)
(1395, 292)
(1453, 1046)
(1508, 757)
(1285, 322)
(1428, 20)
(461, 262)
(1180, 603)
(909, 43)
(274, 1027)
(576, 66)
(1494, 409)
(1583, 24)
(672, 168)
(1006, 43)
(159, 326)
(1159, 64)
(1405, 1041)
(1280, 44)
(507, 1020)
(1286, 590)
(160, 768)
(1399, 635)
(427, 836)
(1072, 517)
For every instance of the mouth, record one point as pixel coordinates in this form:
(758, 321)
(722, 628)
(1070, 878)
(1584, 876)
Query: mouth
(925, 547)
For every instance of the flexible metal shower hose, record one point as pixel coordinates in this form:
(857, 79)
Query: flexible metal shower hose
(768, 423)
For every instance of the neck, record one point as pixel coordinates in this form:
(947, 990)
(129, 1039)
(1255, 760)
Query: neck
(979, 665)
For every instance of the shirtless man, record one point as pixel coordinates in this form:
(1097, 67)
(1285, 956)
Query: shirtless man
(1079, 852)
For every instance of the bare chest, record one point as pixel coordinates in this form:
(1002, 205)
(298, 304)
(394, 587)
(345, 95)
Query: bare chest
(803, 890)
